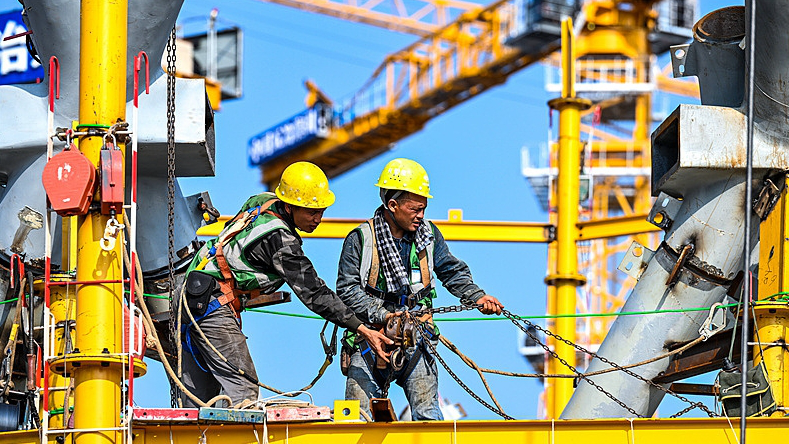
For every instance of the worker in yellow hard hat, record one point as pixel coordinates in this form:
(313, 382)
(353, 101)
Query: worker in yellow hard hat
(257, 252)
(388, 266)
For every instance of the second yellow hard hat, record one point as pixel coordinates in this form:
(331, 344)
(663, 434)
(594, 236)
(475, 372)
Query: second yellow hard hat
(405, 175)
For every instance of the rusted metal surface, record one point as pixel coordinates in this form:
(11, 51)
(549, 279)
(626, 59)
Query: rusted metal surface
(165, 415)
(694, 389)
(382, 410)
(705, 357)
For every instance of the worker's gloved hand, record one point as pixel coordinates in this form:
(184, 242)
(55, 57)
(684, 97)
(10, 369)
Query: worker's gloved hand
(490, 304)
(377, 341)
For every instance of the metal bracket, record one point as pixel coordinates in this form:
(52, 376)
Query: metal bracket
(635, 260)
(684, 255)
(768, 196)
(679, 54)
(664, 211)
(712, 325)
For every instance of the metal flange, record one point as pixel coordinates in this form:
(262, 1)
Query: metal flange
(64, 365)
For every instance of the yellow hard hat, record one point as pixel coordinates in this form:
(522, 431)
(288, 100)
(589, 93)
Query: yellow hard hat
(304, 184)
(405, 175)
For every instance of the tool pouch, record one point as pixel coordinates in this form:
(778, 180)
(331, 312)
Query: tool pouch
(758, 395)
(199, 287)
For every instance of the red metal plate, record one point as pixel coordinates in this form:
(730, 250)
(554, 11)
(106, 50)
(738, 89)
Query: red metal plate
(166, 415)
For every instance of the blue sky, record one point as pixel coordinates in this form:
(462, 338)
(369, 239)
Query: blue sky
(471, 153)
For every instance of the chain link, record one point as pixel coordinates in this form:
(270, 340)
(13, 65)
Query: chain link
(174, 392)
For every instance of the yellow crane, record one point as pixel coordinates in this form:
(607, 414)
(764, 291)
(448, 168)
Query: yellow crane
(454, 61)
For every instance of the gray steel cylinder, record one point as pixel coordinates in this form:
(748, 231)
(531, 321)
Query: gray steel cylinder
(709, 219)
(716, 58)
(771, 69)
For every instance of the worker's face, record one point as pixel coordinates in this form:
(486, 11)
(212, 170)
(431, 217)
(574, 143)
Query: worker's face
(307, 219)
(409, 212)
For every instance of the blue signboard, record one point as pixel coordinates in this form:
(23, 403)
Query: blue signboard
(16, 65)
(308, 125)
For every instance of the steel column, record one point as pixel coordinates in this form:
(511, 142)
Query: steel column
(102, 93)
(567, 277)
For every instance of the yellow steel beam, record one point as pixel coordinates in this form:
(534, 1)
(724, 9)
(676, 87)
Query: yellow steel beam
(451, 229)
(482, 231)
(102, 94)
(614, 227)
(642, 431)
(420, 17)
(772, 320)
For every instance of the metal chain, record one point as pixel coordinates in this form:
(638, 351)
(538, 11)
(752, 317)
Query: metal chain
(421, 328)
(515, 319)
(553, 354)
(174, 392)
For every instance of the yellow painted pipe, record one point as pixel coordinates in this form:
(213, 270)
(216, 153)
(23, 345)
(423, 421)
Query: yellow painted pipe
(772, 324)
(102, 92)
(567, 278)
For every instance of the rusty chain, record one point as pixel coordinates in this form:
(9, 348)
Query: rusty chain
(515, 319)
(174, 392)
(421, 329)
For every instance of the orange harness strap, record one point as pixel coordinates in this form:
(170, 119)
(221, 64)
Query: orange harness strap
(230, 294)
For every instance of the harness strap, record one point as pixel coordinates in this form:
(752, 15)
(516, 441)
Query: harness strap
(228, 283)
(423, 268)
(370, 359)
(372, 279)
(186, 336)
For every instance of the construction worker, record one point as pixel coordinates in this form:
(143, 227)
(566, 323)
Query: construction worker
(257, 252)
(407, 251)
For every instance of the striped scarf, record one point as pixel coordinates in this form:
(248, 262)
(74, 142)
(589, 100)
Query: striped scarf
(394, 269)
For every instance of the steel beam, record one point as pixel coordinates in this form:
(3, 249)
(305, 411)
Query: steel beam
(614, 227)
(454, 230)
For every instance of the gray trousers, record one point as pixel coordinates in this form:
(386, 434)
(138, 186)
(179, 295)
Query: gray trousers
(224, 333)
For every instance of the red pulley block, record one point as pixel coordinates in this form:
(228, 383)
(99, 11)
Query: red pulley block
(111, 181)
(68, 181)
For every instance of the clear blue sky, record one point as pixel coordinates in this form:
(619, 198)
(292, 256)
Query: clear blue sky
(471, 153)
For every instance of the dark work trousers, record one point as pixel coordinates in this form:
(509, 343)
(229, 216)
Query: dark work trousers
(224, 333)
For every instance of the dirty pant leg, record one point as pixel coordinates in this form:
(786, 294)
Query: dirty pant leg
(421, 389)
(200, 383)
(360, 383)
(222, 330)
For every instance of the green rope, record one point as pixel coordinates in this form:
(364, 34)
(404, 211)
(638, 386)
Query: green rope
(499, 318)
(9, 301)
(92, 125)
(784, 298)
(153, 296)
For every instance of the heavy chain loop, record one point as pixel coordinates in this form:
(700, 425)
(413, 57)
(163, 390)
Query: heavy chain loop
(425, 335)
(515, 320)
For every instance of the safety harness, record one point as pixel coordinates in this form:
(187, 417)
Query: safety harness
(231, 294)
(375, 364)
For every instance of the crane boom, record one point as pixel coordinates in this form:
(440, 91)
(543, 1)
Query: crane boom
(428, 16)
(477, 51)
